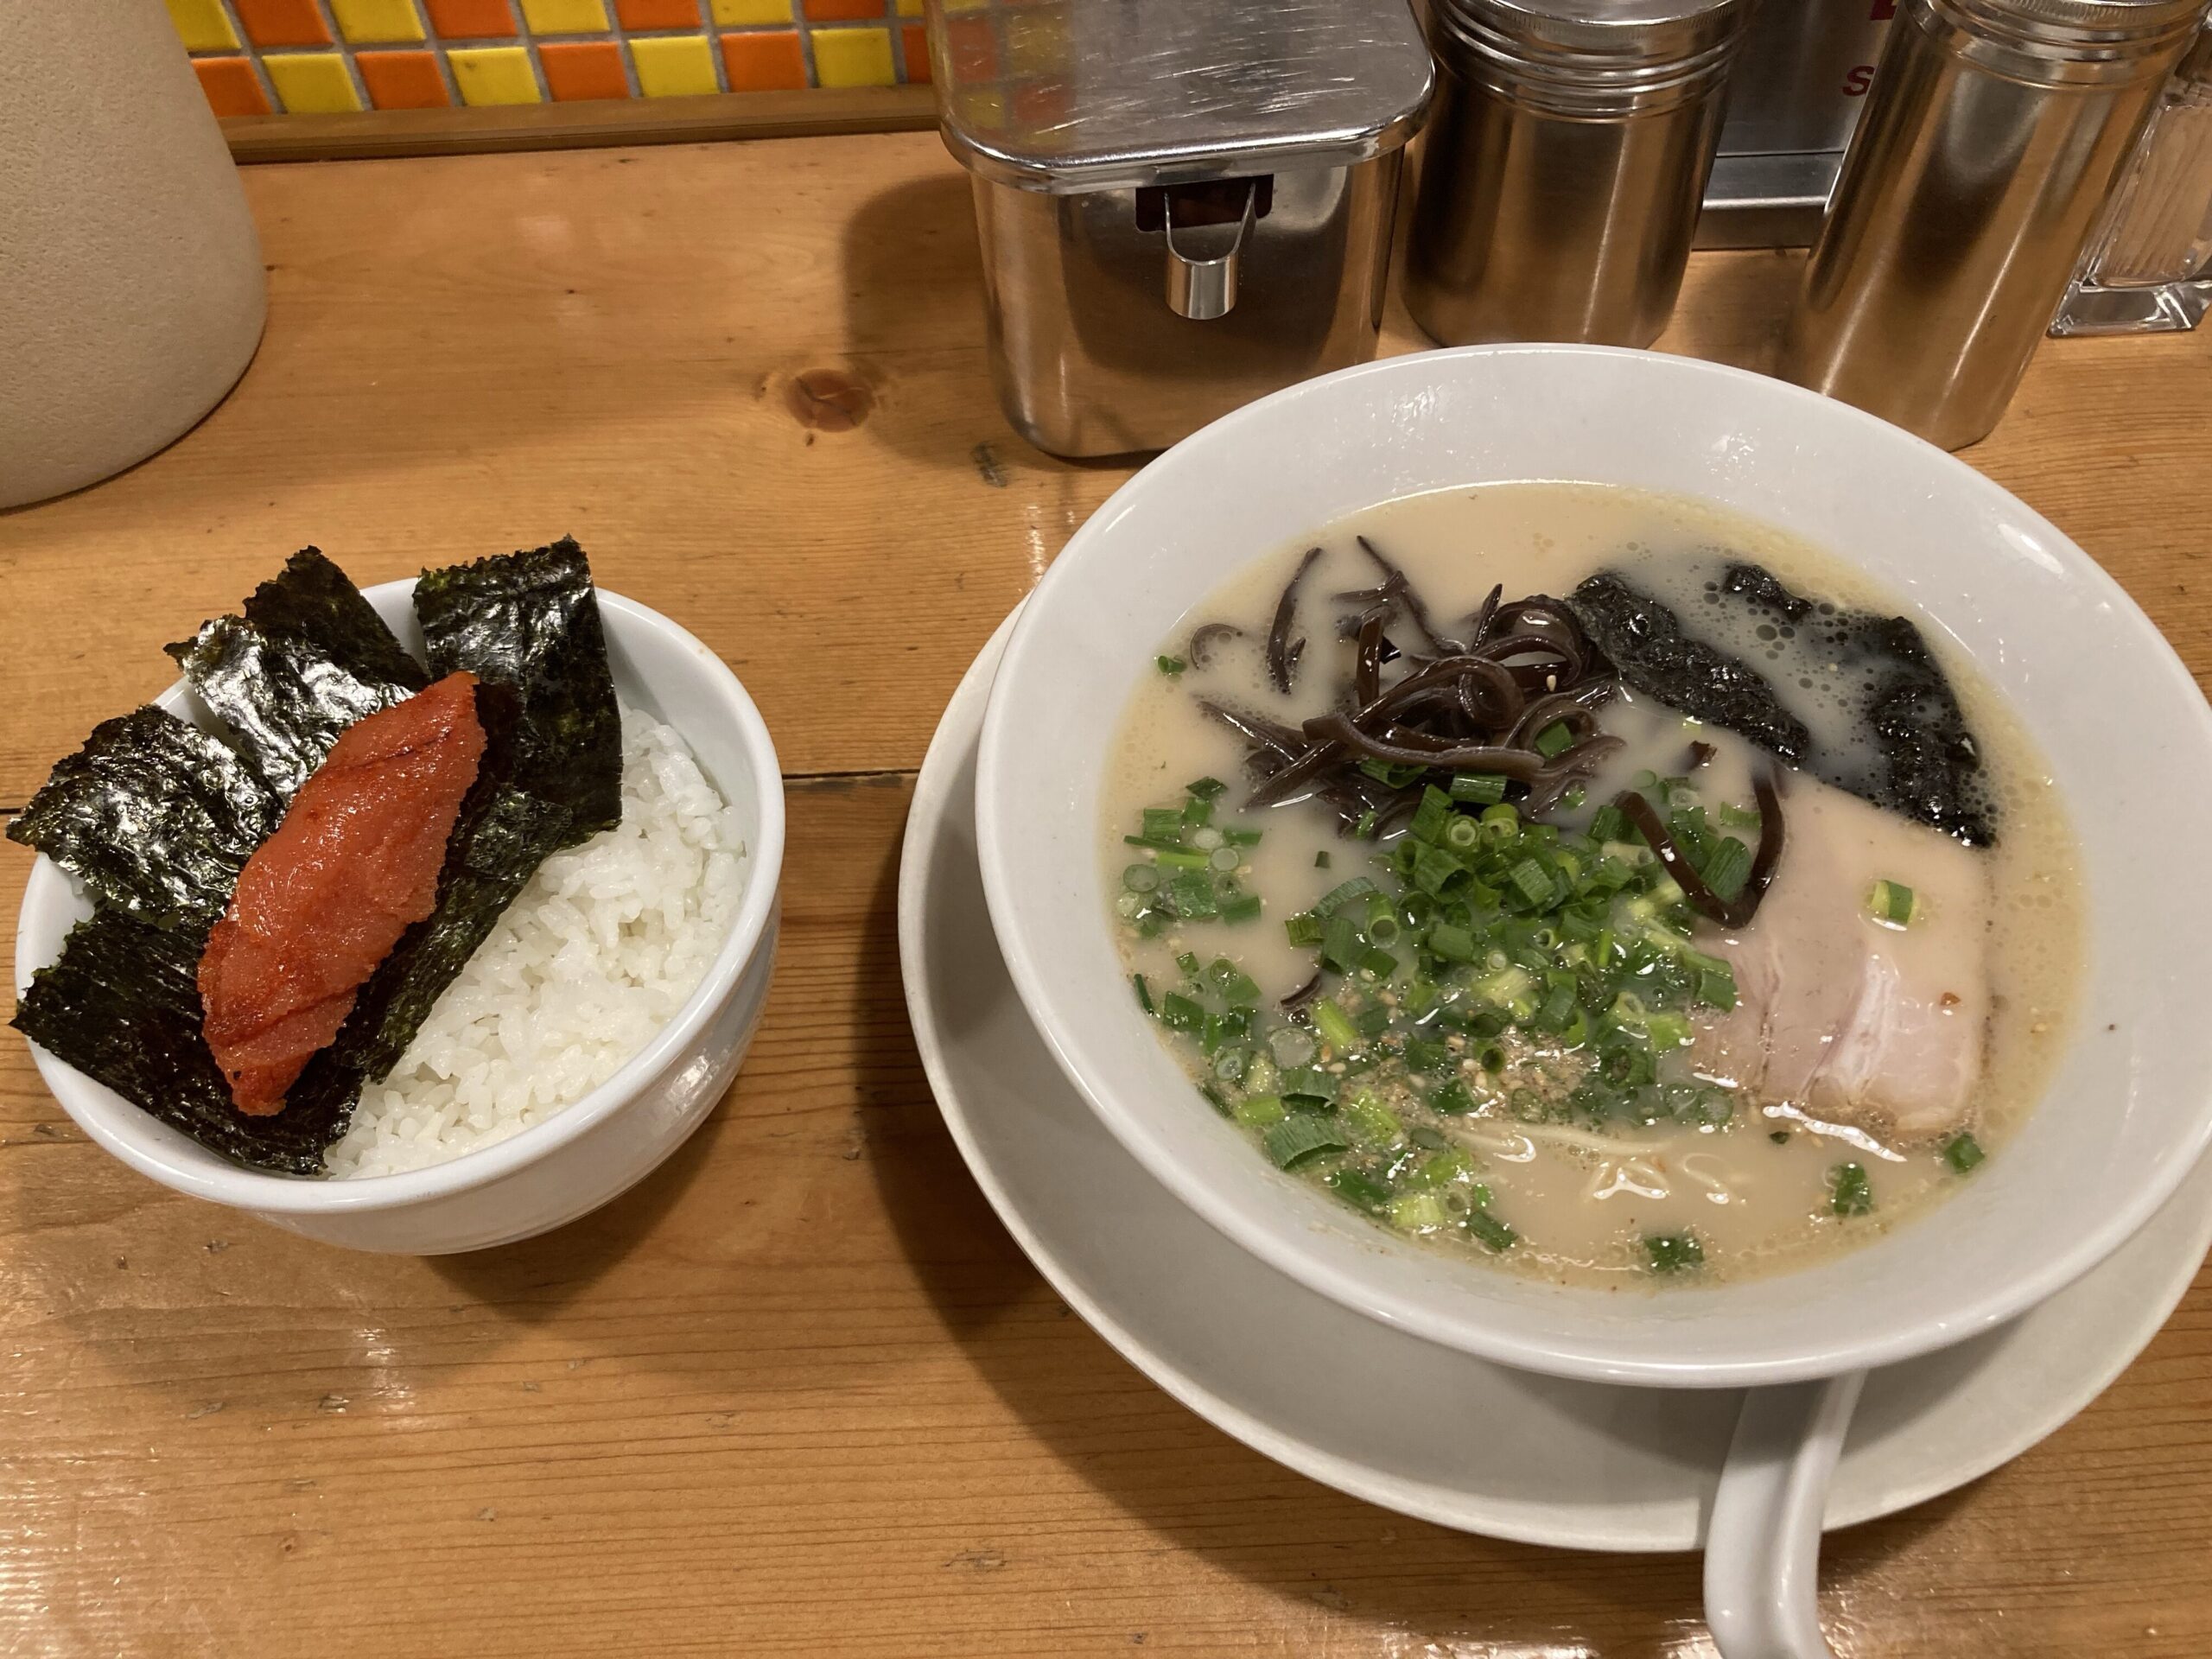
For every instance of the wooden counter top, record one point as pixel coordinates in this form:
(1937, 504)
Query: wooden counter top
(799, 1394)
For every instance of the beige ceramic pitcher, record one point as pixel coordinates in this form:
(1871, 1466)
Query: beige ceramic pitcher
(130, 284)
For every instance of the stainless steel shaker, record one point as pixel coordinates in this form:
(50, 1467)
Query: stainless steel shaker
(1565, 164)
(1993, 134)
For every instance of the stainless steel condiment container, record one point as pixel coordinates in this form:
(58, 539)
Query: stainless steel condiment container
(1993, 134)
(1562, 174)
(1183, 204)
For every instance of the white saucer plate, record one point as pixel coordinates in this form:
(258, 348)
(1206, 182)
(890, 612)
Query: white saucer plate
(1388, 1417)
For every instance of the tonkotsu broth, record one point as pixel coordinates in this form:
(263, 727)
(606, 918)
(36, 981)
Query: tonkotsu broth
(1757, 1192)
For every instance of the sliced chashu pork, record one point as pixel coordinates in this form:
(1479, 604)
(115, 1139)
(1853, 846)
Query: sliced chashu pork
(1848, 1019)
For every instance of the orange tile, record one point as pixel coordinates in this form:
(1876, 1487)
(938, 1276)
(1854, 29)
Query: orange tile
(764, 63)
(657, 14)
(583, 69)
(230, 86)
(914, 40)
(842, 11)
(401, 80)
(471, 20)
(283, 22)
(972, 49)
(1042, 103)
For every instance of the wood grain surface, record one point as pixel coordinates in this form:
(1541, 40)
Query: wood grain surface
(799, 1394)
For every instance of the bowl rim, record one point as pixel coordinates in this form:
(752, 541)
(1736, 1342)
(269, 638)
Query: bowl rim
(270, 1193)
(1285, 1248)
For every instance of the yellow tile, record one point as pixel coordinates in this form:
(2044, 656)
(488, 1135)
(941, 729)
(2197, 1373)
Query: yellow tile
(374, 20)
(201, 25)
(674, 67)
(311, 83)
(565, 16)
(965, 5)
(494, 75)
(984, 109)
(742, 12)
(1036, 42)
(910, 8)
(852, 57)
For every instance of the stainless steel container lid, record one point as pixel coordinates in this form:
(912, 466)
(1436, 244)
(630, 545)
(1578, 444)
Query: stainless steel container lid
(1065, 96)
(1594, 57)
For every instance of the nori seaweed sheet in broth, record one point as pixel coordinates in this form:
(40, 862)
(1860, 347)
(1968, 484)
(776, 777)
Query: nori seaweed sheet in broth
(1923, 763)
(157, 818)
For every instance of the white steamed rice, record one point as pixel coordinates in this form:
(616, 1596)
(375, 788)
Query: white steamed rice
(599, 949)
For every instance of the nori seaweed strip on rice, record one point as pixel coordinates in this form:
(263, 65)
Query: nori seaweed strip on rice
(297, 669)
(153, 815)
(160, 847)
(531, 620)
(122, 1005)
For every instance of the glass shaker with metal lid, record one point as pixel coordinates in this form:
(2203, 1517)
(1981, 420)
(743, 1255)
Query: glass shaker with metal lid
(1183, 205)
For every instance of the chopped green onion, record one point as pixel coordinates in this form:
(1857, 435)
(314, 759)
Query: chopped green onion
(1321, 859)
(1371, 1120)
(1308, 1083)
(1451, 1100)
(1225, 859)
(1850, 1194)
(1358, 1187)
(1144, 992)
(1291, 1045)
(1140, 878)
(1336, 1026)
(1229, 1065)
(1170, 666)
(1241, 837)
(1300, 1136)
(1431, 815)
(1180, 859)
(1303, 929)
(1417, 1212)
(1383, 931)
(1191, 895)
(1727, 868)
(1575, 798)
(1667, 1031)
(1716, 984)
(1673, 1252)
(1485, 787)
(1199, 814)
(1358, 887)
(1215, 1098)
(1963, 1151)
(1204, 788)
(1492, 1232)
(1241, 907)
(1340, 946)
(1531, 881)
(1451, 942)
(1364, 829)
(1129, 905)
(1891, 902)
(1163, 823)
(1554, 740)
(1238, 988)
(1179, 1013)
(1737, 817)
(1379, 964)
(1258, 1111)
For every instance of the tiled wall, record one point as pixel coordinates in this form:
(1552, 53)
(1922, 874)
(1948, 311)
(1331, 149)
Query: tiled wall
(257, 56)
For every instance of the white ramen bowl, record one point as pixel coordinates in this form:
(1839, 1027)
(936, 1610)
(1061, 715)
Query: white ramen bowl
(2128, 737)
(581, 1156)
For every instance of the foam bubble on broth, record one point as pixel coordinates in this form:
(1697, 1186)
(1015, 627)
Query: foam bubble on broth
(1545, 538)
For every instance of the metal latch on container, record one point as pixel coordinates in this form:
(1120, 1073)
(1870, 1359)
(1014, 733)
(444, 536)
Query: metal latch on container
(1204, 245)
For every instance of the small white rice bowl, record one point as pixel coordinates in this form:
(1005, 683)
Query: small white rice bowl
(592, 959)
